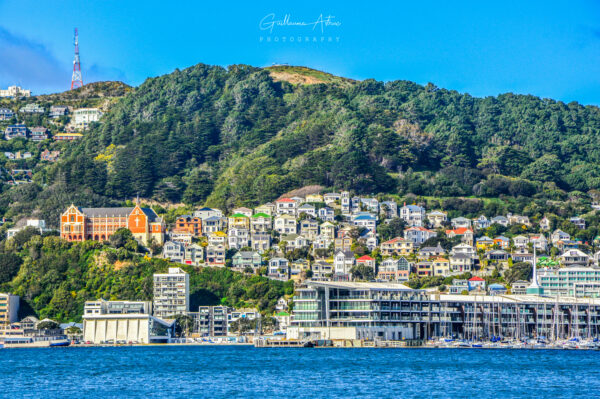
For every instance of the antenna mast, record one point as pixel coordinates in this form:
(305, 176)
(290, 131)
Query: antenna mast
(76, 79)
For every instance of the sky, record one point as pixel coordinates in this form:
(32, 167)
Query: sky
(545, 48)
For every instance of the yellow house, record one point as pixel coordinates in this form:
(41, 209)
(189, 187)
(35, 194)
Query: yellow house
(397, 245)
(314, 198)
(238, 220)
(441, 267)
(484, 243)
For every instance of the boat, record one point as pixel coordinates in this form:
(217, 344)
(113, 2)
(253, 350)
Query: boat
(477, 345)
(59, 342)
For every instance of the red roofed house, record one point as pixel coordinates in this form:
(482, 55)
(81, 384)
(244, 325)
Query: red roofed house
(476, 283)
(367, 261)
(466, 235)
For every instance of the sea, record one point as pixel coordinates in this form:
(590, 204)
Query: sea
(248, 372)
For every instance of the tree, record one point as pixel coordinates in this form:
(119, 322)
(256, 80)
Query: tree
(391, 229)
(519, 271)
(9, 266)
(183, 325)
(362, 272)
(123, 238)
(47, 325)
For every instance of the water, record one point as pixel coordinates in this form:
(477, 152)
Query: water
(231, 372)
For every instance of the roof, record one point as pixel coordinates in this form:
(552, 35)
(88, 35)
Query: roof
(459, 231)
(365, 257)
(365, 217)
(476, 279)
(238, 215)
(285, 200)
(98, 212)
(261, 215)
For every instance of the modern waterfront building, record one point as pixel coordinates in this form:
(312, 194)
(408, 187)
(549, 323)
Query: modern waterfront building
(211, 321)
(9, 308)
(171, 293)
(577, 281)
(388, 311)
(124, 321)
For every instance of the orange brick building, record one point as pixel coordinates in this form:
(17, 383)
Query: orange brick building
(188, 224)
(80, 224)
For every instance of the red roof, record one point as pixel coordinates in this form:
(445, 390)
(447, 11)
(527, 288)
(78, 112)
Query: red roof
(365, 257)
(393, 240)
(476, 279)
(285, 200)
(459, 231)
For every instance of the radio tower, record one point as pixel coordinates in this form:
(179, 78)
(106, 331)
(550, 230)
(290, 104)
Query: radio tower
(76, 80)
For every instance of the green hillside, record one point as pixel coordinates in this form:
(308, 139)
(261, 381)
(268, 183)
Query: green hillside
(246, 135)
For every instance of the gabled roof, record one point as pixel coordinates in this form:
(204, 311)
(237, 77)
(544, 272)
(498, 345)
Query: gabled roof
(238, 215)
(285, 200)
(261, 215)
(459, 231)
(476, 279)
(365, 258)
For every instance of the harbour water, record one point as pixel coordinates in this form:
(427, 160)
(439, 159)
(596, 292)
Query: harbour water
(231, 372)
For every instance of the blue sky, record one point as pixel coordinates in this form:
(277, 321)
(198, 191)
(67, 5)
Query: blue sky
(546, 48)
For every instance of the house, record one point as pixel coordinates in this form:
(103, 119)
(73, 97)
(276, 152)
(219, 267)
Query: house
(466, 234)
(370, 204)
(464, 249)
(522, 255)
(518, 219)
(174, 251)
(322, 270)
(314, 198)
(545, 223)
(366, 221)
(308, 209)
(269, 208)
(294, 241)
(260, 242)
(56, 111)
(82, 117)
(441, 267)
(502, 242)
(343, 243)
(286, 206)
(366, 260)
(205, 213)
(559, 235)
(50, 156)
(413, 215)
(476, 283)
(215, 255)
(345, 203)
(458, 286)
(497, 289)
(322, 242)
(327, 229)
(431, 252)
(194, 255)
(212, 224)
(15, 131)
(326, 213)
(285, 224)
(461, 263)
(481, 222)
(238, 238)
(437, 218)
(38, 133)
(484, 243)
(184, 237)
(260, 223)
(243, 211)
(67, 136)
(497, 255)
(424, 268)
(460, 222)
(418, 235)
(246, 259)
(369, 238)
(520, 241)
(331, 198)
(343, 261)
(540, 243)
(394, 269)
(309, 228)
(574, 257)
(15, 92)
(501, 220)
(9, 155)
(398, 246)
(579, 222)
(32, 108)
(279, 268)
(389, 209)
(217, 238)
(519, 287)
(238, 220)
(188, 224)
(6, 114)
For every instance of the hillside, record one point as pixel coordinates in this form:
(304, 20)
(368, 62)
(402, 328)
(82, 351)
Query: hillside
(246, 135)
(54, 278)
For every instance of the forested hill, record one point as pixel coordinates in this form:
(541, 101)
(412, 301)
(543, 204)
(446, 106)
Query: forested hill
(245, 135)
